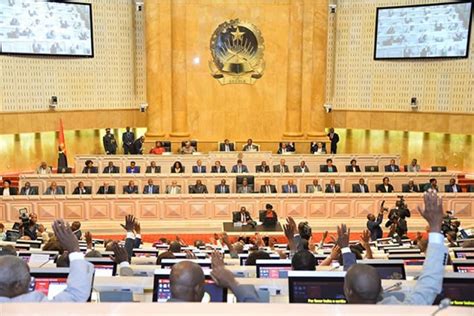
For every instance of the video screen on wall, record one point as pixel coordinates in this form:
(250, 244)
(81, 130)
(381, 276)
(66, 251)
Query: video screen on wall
(423, 31)
(43, 27)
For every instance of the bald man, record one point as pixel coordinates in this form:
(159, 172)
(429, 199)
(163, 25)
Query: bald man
(15, 274)
(363, 285)
(186, 282)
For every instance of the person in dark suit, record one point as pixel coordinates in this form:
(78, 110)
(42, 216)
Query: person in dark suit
(268, 188)
(7, 190)
(198, 188)
(28, 189)
(81, 189)
(222, 187)
(284, 149)
(353, 167)
(218, 168)
(361, 187)
(106, 189)
(240, 167)
(177, 167)
(243, 216)
(199, 168)
(290, 187)
(373, 225)
(385, 187)
(318, 148)
(150, 188)
(452, 186)
(301, 168)
(270, 217)
(153, 168)
(245, 187)
(133, 168)
(334, 138)
(282, 167)
(263, 167)
(250, 146)
(226, 146)
(111, 168)
(109, 142)
(329, 167)
(89, 167)
(131, 188)
(392, 167)
(138, 146)
(315, 187)
(411, 187)
(128, 138)
(332, 187)
(62, 158)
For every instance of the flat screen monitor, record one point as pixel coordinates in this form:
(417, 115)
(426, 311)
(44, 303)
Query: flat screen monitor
(33, 243)
(182, 255)
(103, 266)
(145, 252)
(273, 269)
(388, 269)
(32, 27)
(463, 253)
(162, 290)
(168, 263)
(316, 287)
(459, 288)
(463, 266)
(408, 259)
(25, 254)
(404, 251)
(439, 30)
(243, 258)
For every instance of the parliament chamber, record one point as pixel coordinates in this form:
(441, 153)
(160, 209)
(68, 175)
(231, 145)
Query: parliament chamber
(237, 152)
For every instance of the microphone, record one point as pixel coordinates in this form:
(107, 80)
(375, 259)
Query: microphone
(445, 303)
(394, 287)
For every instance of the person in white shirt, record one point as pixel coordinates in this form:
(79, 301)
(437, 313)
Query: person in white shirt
(173, 188)
(414, 166)
(43, 169)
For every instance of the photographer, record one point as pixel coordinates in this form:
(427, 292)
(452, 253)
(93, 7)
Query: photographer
(397, 219)
(28, 226)
(373, 224)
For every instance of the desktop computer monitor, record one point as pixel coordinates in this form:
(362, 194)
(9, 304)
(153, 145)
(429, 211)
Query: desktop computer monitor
(137, 252)
(168, 263)
(387, 269)
(243, 257)
(463, 265)
(103, 266)
(408, 259)
(162, 288)
(32, 243)
(314, 287)
(459, 288)
(463, 253)
(273, 269)
(403, 251)
(26, 254)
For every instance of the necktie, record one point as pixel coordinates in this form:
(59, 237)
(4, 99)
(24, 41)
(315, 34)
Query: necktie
(110, 170)
(222, 189)
(333, 189)
(27, 192)
(105, 190)
(291, 189)
(362, 189)
(150, 189)
(242, 219)
(239, 170)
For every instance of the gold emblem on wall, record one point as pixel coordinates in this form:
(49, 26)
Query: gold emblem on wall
(237, 53)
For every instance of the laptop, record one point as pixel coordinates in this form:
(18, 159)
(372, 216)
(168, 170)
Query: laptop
(103, 266)
(387, 269)
(162, 288)
(463, 265)
(315, 287)
(273, 269)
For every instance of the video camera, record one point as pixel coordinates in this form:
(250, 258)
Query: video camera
(400, 211)
(24, 216)
(448, 225)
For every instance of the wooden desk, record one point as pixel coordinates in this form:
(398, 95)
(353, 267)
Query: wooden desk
(230, 228)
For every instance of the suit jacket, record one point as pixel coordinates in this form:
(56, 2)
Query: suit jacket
(59, 191)
(110, 144)
(324, 168)
(222, 147)
(299, 169)
(198, 189)
(222, 169)
(330, 190)
(244, 169)
(113, 169)
(449, 188)
(334, 141)
(110, 190)
(250, 148)
(219, 189)
(13, 191)
(357, 189)
(311, 188)
(388, 168)
(287, 150)
(381, 188)
(155, 189)
(127, 139)
(374, 228)
(247, 217)
(90, 170)
(135, 169)
(196, 169)
(241, 189)
(314, 148)
(406, 188)
(168, 189)
(79, 286)
(412, 168)
(130, 190)
(32, 191)
(173, 170)
(137, 148)
(278, 168)
(48, 170)
(349, 168)
(263, 188)
(261, 168)
(76, 191)
(286, 188)
(149, 169)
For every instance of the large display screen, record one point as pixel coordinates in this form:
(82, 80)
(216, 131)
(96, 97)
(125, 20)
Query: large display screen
(423, 31)
(42, 27)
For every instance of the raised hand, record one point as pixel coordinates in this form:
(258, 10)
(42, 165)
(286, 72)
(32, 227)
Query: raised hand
(65, 236)
(190, 254)
(222, 276)
(365, 237)
(325, 235)
(137, 228)
(343, 234)
(129, 223)
(120, 253)
(88, 237)
(433, 212)
(335, 252)
(225, 239)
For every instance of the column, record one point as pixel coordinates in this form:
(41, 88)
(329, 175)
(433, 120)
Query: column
(179, 121)
(153, 91)
(320, 40)
(295, 71)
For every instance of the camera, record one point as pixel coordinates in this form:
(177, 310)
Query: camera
(24, 216)
(448, 224)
